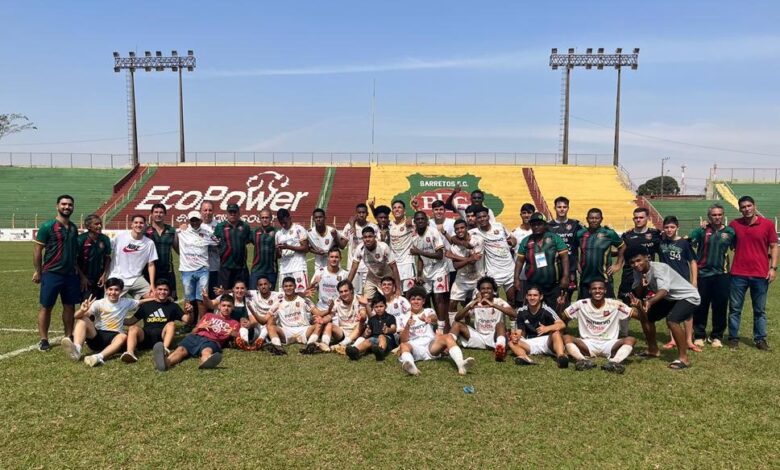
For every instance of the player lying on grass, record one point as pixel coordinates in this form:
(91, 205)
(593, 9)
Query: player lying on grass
(206, 341)
(348, 317)
(379, 334)
(598, 321)
(537, 331)
(294, 319)
(159, 316)
(419, 342)
(100, 323)
(487, 312)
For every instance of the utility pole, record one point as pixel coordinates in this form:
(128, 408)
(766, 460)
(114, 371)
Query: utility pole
(682, 179)
(663, 162)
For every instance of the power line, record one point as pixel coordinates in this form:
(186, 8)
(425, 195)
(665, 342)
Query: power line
(92, 140)
(709, 147)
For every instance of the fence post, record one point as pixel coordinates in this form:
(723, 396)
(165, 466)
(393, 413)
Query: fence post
(36, 220)
(13, 220)
(754, 175)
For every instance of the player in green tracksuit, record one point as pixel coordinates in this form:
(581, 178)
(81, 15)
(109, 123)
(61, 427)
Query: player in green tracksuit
(94, 256)
(233, 235)
(546, 259)
(595, 245)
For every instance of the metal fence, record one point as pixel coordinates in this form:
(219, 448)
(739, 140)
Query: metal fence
(103, 160)
(745, 175)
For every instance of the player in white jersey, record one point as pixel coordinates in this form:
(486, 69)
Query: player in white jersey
(321, 239)
(295, 319)
(459, 204)
(397, 305)
(259, 303)
(522, 231)
(352, 237)
(446, 228)
(292, 244)
(348, 317)
(379, 261)
(382, 216)
(497, 247)
(466, 256)
(487, 312)
(419, 342)
(428, 248)
(326, 280)
(401, 232)
(598, 322)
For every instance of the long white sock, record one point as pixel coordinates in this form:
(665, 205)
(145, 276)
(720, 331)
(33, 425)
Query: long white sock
(358, 341)
(276, 341)
(457, 356)
(345, 341)
(313, 338)
(244, 334)
(407, 357)
(574, 351)
(501, 341)
(263, 333)
(99, 356)
(326, 339)
(440, 324)
(622, 353)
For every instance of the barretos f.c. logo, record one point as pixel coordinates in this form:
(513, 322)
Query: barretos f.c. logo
(269, 189)
(425, 189)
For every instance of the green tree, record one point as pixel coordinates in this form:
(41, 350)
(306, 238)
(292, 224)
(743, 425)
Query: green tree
(652, 187)
(14, 123)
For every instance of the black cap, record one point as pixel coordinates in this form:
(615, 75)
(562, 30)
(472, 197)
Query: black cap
(537, 217)
(232, 208)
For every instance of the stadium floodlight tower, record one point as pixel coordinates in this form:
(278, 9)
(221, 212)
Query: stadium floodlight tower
(590, 60)
(158, 63)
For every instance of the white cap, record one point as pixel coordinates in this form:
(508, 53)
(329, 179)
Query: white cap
(194, 215)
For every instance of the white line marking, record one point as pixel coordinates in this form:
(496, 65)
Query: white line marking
(26, 349)
(15, 271)
(25, 330)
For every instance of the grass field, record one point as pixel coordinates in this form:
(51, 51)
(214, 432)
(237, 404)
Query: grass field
(258, 410)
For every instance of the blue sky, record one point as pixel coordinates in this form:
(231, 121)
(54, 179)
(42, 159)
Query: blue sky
(450, 76)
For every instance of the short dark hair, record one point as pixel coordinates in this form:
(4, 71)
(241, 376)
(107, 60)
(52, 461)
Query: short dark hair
(318, 210)
(422, 213)
(459, 222)
(288, 279)
(398, 201)
(382, 210)
(488, 280)
(261, 277)
(92, 218)
(282, 214)
(227, 298)
(480, 209)
(437, 203)
(343, 283)
(361, 205)
(378, 299)
(417, 291)
(472, 209)
(670, 219)
(595, 210)
(137, 216)
(387, 278)
(478, 191)
(368, 229)
(527, 207)
(334, 249)
(562, 199)
(115, 281)
(159, 206)
(745, 198)
(635, 250)
(642, 209)
(536, 288)
(162, 282)
(65, 196)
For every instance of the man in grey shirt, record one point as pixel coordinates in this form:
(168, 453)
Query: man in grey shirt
(659, 292)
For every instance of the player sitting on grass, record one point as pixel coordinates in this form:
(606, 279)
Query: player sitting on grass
(537, 331)
(100, 323)
(240, 313)
(292, 319)
(379, 335)
(211, 334)
(488, 313)
(397, 306)
(420, 343)
(259, 303)
(159, 316)
(349, 315)
(598, 320)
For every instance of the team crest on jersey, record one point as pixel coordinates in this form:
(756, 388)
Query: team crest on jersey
(377, 256)
(547, 240)
(569, 226)
(327, 241)
(102, 245)
(297, 304)
(649, 236)
(240, 228)
(403, 228)
(428, 239)
(725, 236)
(495, 232)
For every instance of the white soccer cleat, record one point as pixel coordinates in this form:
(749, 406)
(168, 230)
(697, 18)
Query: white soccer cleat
(93, 360)
(70, 349)
(410, 368)
(468, 363)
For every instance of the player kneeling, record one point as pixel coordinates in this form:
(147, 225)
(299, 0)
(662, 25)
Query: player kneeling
(598, 322)
(208, 338)
(379, 335)
(537, 331)
(100, 324)
(294, 319)
(488, 312)
(420, 343)
(159, 316)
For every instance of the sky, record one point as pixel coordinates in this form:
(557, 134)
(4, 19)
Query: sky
(449, 77)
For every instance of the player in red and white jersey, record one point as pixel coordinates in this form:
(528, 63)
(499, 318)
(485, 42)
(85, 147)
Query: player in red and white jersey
(378, 259)
(466, 256)
(476, 198)
(446, 228)
(487, 313)
(259, 302)
(322, 238)
(295, 319)
(397, 305)
(325, 281)
(419, 342)
(497, 246)
(401, 232)
(352, 237)
(292, 244)
(598, 321)
(348, 318)
(428, 248)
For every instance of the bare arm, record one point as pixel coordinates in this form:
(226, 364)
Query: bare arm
(37, 261)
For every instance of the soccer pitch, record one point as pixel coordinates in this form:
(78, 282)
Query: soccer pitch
(258, 410)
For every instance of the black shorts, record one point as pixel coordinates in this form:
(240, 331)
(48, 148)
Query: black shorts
(93, 290)
(101, 340)
(152, 336)
(551, 297)
(675, 311)
(228, 276)
(195, 344)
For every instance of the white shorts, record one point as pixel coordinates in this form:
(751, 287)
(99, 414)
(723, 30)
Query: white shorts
(599, 347)
(301, 280)
(360, 280)
(438, 285)
(406, 273)
(294, 334)
(505, 280)
(420, 350)
(539, 345)
(461, 290)
(370, 288)
(478, 340)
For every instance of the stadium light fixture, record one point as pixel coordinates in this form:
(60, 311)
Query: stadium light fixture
(588, 61)
(159, 63)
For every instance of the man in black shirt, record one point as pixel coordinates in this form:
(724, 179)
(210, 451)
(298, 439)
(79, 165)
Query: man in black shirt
(537, 330)
(567, 229)
(158, 316)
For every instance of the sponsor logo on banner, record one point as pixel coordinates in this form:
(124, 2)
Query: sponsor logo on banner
(17, 234)
(268, 189)
(424, 190)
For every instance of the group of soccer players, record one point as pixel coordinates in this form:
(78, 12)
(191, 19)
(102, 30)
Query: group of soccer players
(418, 287)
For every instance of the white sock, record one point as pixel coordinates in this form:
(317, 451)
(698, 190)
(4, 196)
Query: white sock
(457, 356)
(99, 356)
(452, 317)
(407, 357)
(263, 333)
(345, 342)
(313, 338)
(440, 324)
(574, 352)
(501, 341)
(78, 348)
(244, 334)
(358, 341)
(275, 341)
(326, 339)
(622, 353)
